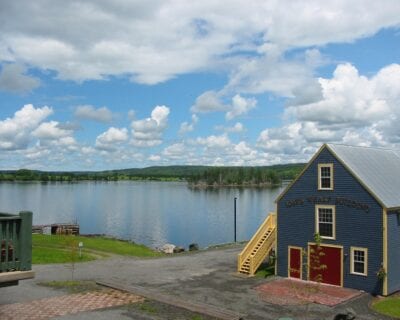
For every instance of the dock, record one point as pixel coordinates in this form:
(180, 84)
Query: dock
(57, 228)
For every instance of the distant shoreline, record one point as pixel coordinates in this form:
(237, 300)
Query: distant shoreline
(233, 185)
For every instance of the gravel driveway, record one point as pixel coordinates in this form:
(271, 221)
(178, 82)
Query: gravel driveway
(206, 277)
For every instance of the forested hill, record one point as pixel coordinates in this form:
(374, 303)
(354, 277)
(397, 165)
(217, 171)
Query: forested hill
(193, 174)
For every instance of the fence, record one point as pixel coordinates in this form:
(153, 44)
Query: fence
(16, 242)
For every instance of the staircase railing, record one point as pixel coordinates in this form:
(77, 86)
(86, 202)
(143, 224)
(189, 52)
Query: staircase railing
(269, 222)
(258, 258)
(15, 242)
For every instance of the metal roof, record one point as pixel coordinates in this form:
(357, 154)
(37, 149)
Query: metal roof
(377, 169)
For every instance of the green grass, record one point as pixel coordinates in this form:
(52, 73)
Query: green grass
(265, 271)
(388, 306)
(44, 255)
(148, 308)
(72, 286)
(63, 249)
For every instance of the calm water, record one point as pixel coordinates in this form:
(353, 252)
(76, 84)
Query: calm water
(153, 213)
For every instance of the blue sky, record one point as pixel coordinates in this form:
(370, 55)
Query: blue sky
(95, 85)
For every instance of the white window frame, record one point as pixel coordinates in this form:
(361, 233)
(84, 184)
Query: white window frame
(331, 207)
(365, 250)
(325, 165)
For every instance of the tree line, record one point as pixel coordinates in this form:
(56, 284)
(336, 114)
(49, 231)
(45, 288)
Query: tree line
(245, 176)
(195, 175)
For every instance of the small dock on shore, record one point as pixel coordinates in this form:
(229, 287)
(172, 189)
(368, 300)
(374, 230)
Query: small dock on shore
(57, 228)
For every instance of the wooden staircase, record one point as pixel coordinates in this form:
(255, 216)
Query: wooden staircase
(258, 247)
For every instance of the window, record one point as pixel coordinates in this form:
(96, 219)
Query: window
(325, 221)
(325, 176)
(359, 261)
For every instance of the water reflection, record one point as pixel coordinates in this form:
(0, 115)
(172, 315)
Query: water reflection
(152, 213)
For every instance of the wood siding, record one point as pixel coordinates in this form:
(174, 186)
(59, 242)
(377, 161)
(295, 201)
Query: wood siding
(393, 268)
(358, 220)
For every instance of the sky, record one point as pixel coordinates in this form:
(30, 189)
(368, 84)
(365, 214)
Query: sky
(98, 85)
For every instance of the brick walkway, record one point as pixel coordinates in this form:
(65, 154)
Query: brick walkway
(68, 304)
(295, 292)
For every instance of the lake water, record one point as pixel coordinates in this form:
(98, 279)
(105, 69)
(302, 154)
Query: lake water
(152, 213)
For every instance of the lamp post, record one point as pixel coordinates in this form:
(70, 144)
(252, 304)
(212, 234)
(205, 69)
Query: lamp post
(234, 219)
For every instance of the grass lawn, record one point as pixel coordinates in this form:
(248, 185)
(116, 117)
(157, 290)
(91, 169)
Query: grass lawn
(388, 306)
(43, 255)
(62, 249)
(265, 271)
(72, 286)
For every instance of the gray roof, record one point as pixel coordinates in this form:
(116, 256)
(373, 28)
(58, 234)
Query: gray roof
(377, 169)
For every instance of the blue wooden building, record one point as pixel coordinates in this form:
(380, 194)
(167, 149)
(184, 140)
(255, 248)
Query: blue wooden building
(350, 196)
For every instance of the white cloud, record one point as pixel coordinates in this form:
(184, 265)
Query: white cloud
(286, 139)
(213, 141)
(348, 98)
(148, 132)
(15, 133)
(108, 140)
(36, 153)
(188, 127)
(176, 151)
(240, 106)
(155, 158)
(243, 154)
(89, 112)
(208, 101)
(88, 150)
(131, 115)
(13, 78)
(156, 41)
(272, 72)
(236, 128)
(354, 109)
(50, 130)
(353, 104)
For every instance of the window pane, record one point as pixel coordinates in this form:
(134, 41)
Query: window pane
(359, 267)
(325, 230)
(359, 261)
(325, 172)
(325, 215)
(325, 182)
(325, 222)
(359, 256)
(325, 176)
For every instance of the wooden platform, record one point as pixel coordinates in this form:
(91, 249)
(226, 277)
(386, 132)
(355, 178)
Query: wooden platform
(57, 228)
(12, 278)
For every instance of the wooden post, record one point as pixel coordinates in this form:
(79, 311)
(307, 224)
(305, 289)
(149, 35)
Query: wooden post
(25, 232)
(234, 222)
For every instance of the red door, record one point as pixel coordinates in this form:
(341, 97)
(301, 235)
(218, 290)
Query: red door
(325, 264)
(295, 262)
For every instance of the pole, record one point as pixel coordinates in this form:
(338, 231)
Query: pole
(234, 218)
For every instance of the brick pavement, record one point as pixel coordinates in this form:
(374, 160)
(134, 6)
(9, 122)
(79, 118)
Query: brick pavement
(296, 292)
(67, 304)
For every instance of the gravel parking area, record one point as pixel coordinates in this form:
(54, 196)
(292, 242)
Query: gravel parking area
(207, 277)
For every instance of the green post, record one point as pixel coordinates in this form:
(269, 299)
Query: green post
(26, 240)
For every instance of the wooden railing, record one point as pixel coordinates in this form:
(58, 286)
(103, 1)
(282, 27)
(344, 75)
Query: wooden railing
(258, 258)
(270, 222)
(16, 242)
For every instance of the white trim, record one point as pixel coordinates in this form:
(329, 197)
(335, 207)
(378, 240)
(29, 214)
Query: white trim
(365, 250)
(333, 208)
(325, 165)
